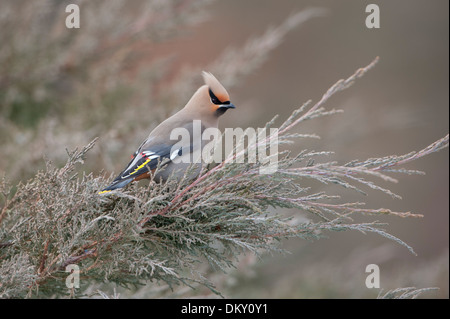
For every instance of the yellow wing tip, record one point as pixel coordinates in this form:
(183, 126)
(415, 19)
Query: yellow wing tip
(104, 192)
(141, 166)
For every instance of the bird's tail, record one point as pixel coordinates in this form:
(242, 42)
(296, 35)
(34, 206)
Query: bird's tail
(117, 183)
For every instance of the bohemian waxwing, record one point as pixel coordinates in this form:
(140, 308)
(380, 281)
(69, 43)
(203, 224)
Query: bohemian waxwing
(207, 105)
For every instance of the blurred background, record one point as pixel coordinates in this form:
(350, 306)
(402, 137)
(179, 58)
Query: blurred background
(132, 64)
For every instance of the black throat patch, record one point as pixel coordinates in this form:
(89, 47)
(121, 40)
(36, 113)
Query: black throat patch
(220, 111)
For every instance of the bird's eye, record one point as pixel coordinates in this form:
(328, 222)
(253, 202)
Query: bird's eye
(214, 98)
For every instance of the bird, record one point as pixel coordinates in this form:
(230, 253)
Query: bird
(206, 105)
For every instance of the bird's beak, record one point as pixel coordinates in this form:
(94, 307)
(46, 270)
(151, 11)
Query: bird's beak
(228, 106)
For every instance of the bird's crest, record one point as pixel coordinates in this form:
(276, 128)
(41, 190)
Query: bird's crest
(215, 86)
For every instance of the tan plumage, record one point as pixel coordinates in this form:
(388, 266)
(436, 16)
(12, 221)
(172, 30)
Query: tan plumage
(215, 86)
(207, 104)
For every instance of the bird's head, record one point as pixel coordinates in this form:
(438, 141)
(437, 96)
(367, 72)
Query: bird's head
(211, 98)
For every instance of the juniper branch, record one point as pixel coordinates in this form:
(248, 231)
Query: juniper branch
(161, 231)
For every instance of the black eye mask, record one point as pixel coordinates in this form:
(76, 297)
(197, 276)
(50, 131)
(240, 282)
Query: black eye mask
(214, 98)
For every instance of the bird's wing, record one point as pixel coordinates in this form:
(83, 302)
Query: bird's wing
(153, 150)
(147, 158)
(156, 148)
